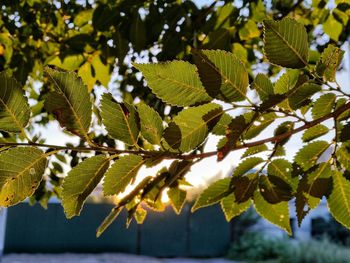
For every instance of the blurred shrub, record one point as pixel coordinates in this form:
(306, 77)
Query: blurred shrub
(254, 247)
(332, 229)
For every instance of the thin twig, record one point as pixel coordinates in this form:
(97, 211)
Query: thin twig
(168, 155)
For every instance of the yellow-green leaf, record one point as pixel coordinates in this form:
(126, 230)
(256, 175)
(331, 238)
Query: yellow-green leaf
(307, 156)
(177, 198)
(21, 173)
(151, 123)
(120, 120)
(176, 82)
(231, 208)
(191, 126)
(121, 173)
(14, 108)
(286, 43)
(339, 199)
(213, 194)
(80, 183)
(277, 214)
(323, 105)
(70, 102)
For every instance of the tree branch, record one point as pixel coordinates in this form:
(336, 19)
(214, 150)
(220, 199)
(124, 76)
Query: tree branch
(168, 155)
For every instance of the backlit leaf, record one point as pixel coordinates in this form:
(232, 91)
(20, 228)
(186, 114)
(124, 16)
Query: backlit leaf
(121, 173)
(151, 123)
(14, 108)
(213, 194)
(307, 156)
(234, 76)
(263, 86)
(80, 183)
(343, 156)
(176, 82)
(339, 200)
(177, 198)
(330, 60)
(244, 186)
(246, 165)
(120, 119)
(191, 126)
(21, 173)
(323, 105)
(315, 132)
(231, 208)
(254, 150)
(70, 102)
(286, 43)
(277, 214)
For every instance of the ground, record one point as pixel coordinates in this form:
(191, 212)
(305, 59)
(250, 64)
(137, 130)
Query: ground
(98, 258)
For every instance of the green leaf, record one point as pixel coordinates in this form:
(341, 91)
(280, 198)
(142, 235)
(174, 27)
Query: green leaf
(249, 30)
(323, 105)
(234, 76)
(274, 189)
(286, 43)
(283, 128)
(307, 156)
(177, 198)
(213, 194)
(332, 27)
(101, 71)
(21, 172)
(277, 214)
(231, 208)
(339, 199)
(301, 95)
(208, 73)
(176, 83)
(344, 134)
(244, 186)
(283, 169)
(14, 108)
(320, 182)
(343, 156)
(259, 125)
(140, 215)
(315, 132)
(121, 173)
(191, 126)
(70, 102)
(287, 81)
(108, 220)
(246, 165)
(222, 125)
(151, 123)
(120, 119)
(71, 62)
(254, 150)
(263, 86)
(138, 32)
(329, 62)
(80, 183)
(280, 151)
(235, 129)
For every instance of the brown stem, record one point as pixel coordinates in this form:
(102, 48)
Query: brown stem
(167, 155)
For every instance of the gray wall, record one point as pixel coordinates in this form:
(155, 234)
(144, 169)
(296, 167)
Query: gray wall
(204, 233)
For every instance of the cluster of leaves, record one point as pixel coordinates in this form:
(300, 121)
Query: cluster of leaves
(300, 93)
(90, 37)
